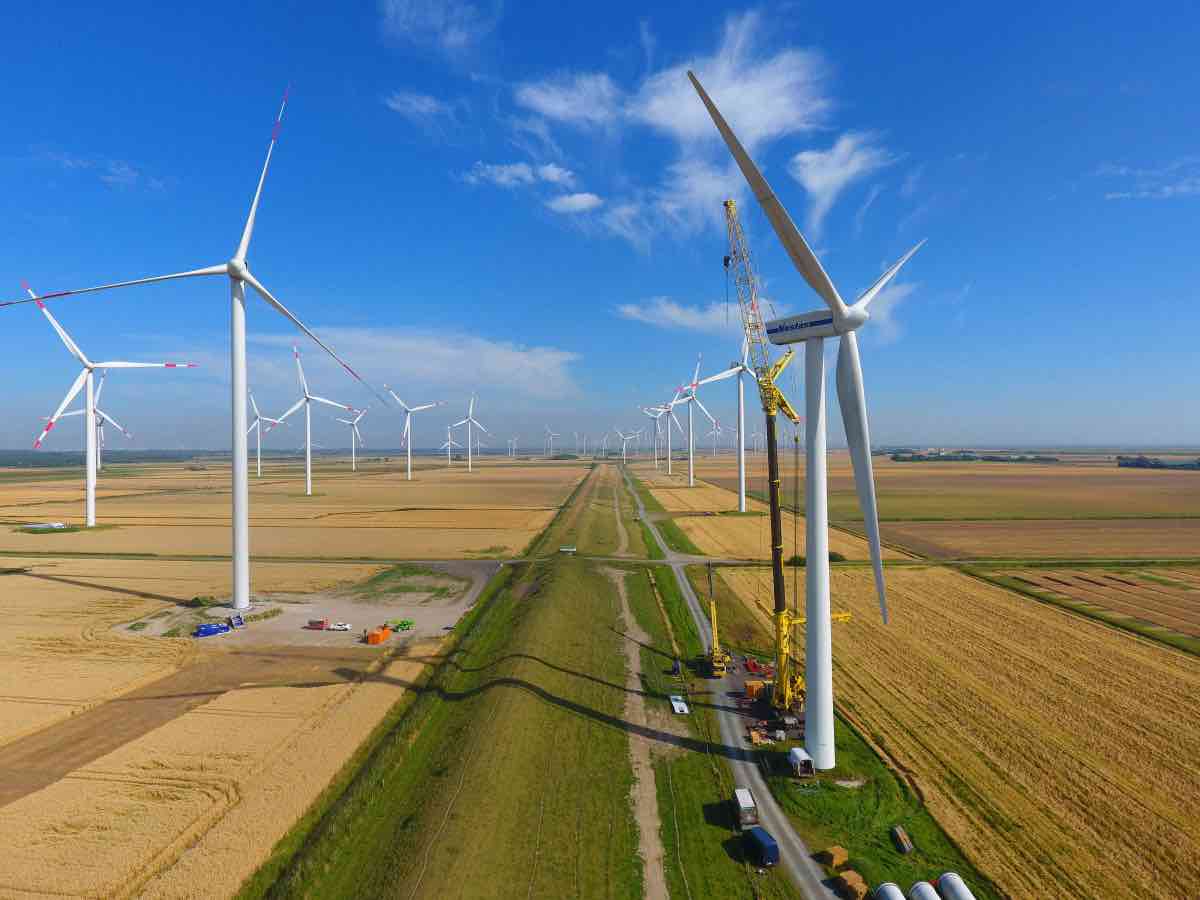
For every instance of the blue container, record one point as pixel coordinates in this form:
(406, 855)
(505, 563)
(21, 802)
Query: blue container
(760, 846)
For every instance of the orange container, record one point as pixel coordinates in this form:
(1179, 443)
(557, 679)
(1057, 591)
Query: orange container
(378, 635)
(753, 688)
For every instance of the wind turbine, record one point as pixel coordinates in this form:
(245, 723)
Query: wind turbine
(686, 394)
(239, 275)
(256, 426)
(625, 439)
(550, 436)
(715, 433)
(306, 400)
(655, 414)
(101, 418)
(842, 321)
(355, 438)
(408, 414)
(469, 421)
(87, 379)
(450, 443)
(739, 368)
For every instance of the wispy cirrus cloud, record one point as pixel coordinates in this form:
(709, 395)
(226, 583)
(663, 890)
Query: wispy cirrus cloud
(1179, 178)
(116, 173)
(431, 114)
(664, 312)
(826, 173)
(505, 175)
(583, 99)
(884, 324)
(575, 203)
(449, 26)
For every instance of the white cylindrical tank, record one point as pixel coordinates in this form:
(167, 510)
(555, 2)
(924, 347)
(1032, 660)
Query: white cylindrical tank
(888, 891)
(952, 887)
(922, 890)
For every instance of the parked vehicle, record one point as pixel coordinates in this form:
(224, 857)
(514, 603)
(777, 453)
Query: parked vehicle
(318, 624)
(340, 626)
(760, 847)
(209, 629)
(744, 808)
(236, 621)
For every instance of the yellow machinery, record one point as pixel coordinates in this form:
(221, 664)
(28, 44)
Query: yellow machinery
(741, 266)
(718, 657)
(793, 687)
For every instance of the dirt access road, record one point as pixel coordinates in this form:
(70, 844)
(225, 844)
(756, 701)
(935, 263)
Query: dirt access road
(794, 854)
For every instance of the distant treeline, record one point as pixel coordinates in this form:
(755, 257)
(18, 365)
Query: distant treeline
(1151, 462)
(50, 459)
(968, 456)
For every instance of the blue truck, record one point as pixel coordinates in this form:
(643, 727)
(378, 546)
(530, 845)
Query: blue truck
(760, 847)
(208, 629)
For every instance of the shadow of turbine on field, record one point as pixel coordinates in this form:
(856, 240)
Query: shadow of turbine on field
(663, 653)
(654, 695)
(683, 742)
(130, 592)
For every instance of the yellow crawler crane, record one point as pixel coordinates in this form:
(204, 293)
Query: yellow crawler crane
(718, 657)
(784, 694)
(793, 671)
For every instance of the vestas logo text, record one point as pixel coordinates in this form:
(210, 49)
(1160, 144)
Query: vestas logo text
(797, 326)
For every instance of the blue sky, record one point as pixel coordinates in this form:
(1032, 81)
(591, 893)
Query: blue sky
(525, 201)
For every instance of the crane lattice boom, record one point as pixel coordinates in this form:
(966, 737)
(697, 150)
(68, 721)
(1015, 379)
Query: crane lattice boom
(741, 265)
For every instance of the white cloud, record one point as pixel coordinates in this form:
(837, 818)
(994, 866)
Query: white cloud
(422, 110)
(912, 181)
(575, 203)
(628, 221)
(693, 190)
(432, 364)
(1180, 178)
(883, 311)
(861, 215)
(583, 99)
(120, 174)
(762, 99)
(826, 173)
(663, 312)
(451, 26)
(555, 174)
(502, 175)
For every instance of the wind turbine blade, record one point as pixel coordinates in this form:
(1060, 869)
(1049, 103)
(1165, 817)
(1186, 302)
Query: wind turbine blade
(471, 407)
(257, 423)
(300, 370)
(403, 405)
(66, 415)
(283, 310)
(291, 409)
(426, 406)
(868, 295)
(358, 434)
(803, 258)
(116, 364)
(676, 421)
(853, 403)
(113, 422)
(332, 403)
(344, 421)
(479, 425)
(62, 332)
(720, 376)
(705, 411)
(100, 387)
(222, 269)
(459, 423)
(695, 375)
(254, 406)
(71, 394)
(248, 231)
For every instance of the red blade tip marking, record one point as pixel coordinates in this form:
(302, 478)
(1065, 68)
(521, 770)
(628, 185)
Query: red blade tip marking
(24, 285)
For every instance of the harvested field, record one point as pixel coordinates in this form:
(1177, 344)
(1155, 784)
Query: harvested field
(1078, 487)
(1049, 539)
(749, 537)
(1058, 752)
(441, 514)
(1169, 598)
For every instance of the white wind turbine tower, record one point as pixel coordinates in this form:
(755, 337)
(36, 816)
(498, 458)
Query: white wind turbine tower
(686, 394)
(842, 321)
(87, 379)
(740, 369)
(239, 275)
(550, 436)
(406, 436)
(715, 433)
(256, 426)
(469, 421)
(306, 400)
(450, 443)
(101, 418)
(655, 414)
(355, 438)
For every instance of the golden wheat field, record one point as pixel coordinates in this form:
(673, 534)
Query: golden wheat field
(441, 514)
(1049, 539)
(60, 653)
(195, 806)
(1061, 754)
